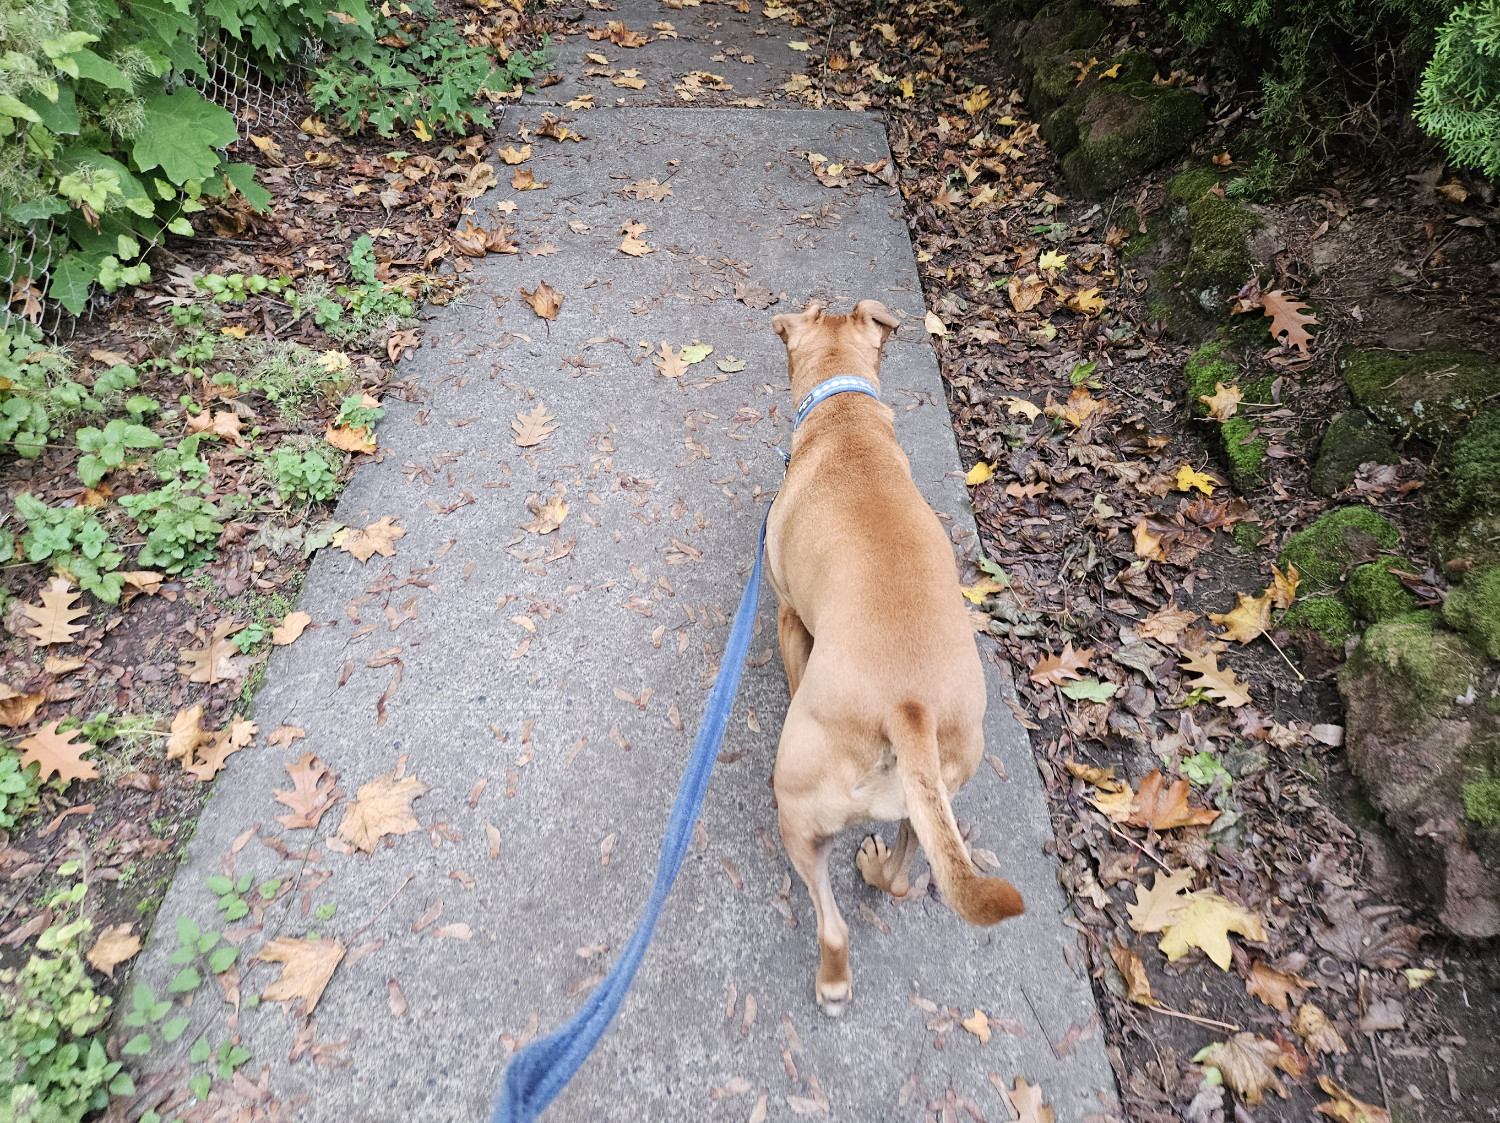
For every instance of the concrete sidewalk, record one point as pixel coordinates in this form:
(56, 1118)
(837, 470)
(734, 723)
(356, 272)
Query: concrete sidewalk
(566, 673)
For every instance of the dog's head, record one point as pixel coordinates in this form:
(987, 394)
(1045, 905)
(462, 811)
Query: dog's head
(812, 335)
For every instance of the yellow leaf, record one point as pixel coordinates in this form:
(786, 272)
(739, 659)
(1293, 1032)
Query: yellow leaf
(978, 100)
(982, 588)
(239, 331)
(1112, 72)
(349, 439)
(1250, 617)
(290, 628)
(1154, 907)
(1119, 806)
(1052, 260)
(1223, 402)
(935, 326)
(1205, 921)
(906, 89)
(1148, 545)
(1187, 479)
(1283, 586)
(1021, 405)
(306, 967)
(1138, 986)
(978, 474)
(978, 1025)
(312, 126)
(1220, 684)
(1346, 1108)
(114, 946)
(1417, 977)
(798, 45)
(1087, 301)
(381, 807)
(420, 130)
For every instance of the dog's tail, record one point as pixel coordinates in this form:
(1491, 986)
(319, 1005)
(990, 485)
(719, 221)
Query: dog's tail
(979, 900)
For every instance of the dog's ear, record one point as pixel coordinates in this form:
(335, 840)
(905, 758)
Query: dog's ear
(791, 326)
(875, 320)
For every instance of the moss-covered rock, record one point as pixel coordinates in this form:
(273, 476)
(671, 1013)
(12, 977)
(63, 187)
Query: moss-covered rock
(1335, 543)
(1219, 259)
(1328, 615)
(1351, 439)
(1482, 800)
(1435, 665)
(1465, 501)
(1241, 452)
(1473, 608)
(1048, 45)
(1428, 393)
(1125, 130)
(1375, 593)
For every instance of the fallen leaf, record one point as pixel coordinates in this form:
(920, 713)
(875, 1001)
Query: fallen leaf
(754, 296)
(1021, 405)
(218, 660)
(549, 513)
(284, 735)
(1250, 617)
(670, 361)
(1287, 319)
(1153, 907)
(1148, 545)
(1317, 1032)
(1052, 259)
(935, 325)
(186, 734)
(1223, 403)
(1248, 1064)
(531, 429)
(978, 1025)
(349, 439)
(632, 244)
(1274, 987)
(513, 155)
(381, 807)
(1346, 1108)
(982, 588)
(1026, 1101)
(980, 473)
(1137, 985)
(1220, 684)
(225, 423)
(399, 341)
(395, 1000)
(1117, 805)
(55, 615)
(16, 708)
(306, 967)
(1187, 479)
(459, 931)
(1080, 406)
(114, 946)
(1025, 294)
(314, 791)
(219, 748)
(546, 301)
(644, 189)
(1166, 624)
(57, 665)
(291, 627)
(377, 538)
(1205, 921)
(1053, 670)
(1283, 590)
(524, 180)
(1160, 810)
(57, 753)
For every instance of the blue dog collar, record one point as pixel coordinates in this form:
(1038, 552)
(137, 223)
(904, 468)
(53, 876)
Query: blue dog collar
(843, 384)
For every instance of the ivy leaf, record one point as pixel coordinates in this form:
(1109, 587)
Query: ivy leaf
(1090, 690)
(180, 134)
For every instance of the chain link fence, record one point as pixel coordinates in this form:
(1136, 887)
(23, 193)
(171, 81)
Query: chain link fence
(28, 251)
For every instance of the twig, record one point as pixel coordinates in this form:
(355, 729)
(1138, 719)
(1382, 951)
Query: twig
(1300, 676)
(1194, 1018)
(382, 908)
(1038, 1018)
(1142, 849)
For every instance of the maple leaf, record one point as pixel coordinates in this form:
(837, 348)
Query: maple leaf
(1166, 624)
(349, 439)
(218, 660)
(1317, 1032)
(1080, 406)
(1287, 319)
(1088, 301)
(57, 753)
(643, 189)
(1025, 294)
(1153, 907)
(1026, 1101)
(381, 807)
(1187, 479)
(533, 428)
(670, 361)
(1250, 617)
(143, 581)
(1204, 921)
(469, 241)
(1223, 403)
(291, 627)
(498, 240)
(17, 708)
(306, 967)
(314, 791)
(1148, 545)
(186, 734)
(1220, 685)
(1283, 588)
(755, 296)
(1274, 987)
(549, 513)
(377, 538)
(1053, 670)
(1160, 810)
(1137, 985)
(513, 155)
(546, 301)
(978, 1025)
(1052, 259)
(224, 744)
(1117, 805)
(114, 946)
(524, 180)
(1248, 1064)
(1346, 1108)
(55, 615)
(632, 243)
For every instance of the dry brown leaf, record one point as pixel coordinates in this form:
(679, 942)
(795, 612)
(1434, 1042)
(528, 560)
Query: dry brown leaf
(381, 807)
(632, 243)
(143, 581)
(57, 753)
(531, 429)
(1153, 907)
(1026, 294)
(1160, 810)
(306, 967)
(55, 615)
(57, 665)
(669, 361)
(399, 341)
(359, 439)
(1054, 670)
(1148, 545)
(1220, 684)
(513, 155)
(1283, 588)
(1223, 403)
(225, 423)
(549, 513)
(186, 734)
(1026, 1101)
(523, 180)
(1102, 778)
(291, 627)
(470, 240)
(1317, 1032)
(1166, 624)
(114, 946)
(546, 301)
(978, 1025)
(1287, 319)
(1205, 921)
(377, 538)
(224, 744)
(16, 708)
(1117, 805)
(1137, 985)
(1346, 1109)
(314, 791)
(395, 999)
(284, 735)
(1249, 619)
(1274, 987)
(218, 660)
(1080, 406)
(1249, 1065)
(643, 189)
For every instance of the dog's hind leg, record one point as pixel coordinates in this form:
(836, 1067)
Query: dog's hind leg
(796, 644)
(889, 868)
(810, 856)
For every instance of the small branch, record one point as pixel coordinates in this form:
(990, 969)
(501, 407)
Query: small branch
(1209, 1022)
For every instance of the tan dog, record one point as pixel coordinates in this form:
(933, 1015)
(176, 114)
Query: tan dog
(888, 694)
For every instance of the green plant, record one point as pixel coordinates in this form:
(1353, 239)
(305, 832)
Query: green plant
(182, 462)
(34, 389)
(418, 71)
(238, 287)
(52, 1070)
(105, 448)
(354, 414)
(304, 476)
(18, 788)
(75, 541)
(181, 529)
(1459, 100)
(247, 639)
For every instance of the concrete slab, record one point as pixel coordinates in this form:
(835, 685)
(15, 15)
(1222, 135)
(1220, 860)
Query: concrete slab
(666, 483)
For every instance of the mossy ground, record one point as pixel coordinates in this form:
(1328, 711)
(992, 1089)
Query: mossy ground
(1482, 800)
(1328, 615)
(1466, 501)
(1434, 663)
(1325, 550)
(1428, 393)
(1352, 439)
(1473, 608)
(1219, 260)
(1375, 593)
(1242, 455)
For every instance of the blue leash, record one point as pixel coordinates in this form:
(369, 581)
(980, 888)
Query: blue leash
(542, 1069)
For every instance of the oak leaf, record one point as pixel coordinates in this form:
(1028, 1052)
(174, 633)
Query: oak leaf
(524, 180)
(1223, 403)
(1160, 810)
(306, 967)
(1054, 670)
(399, 341)
(381, 807)
(1219, 684)
(1166, 624)
(16, 708)
(1026, 1101)
(1274, 987)
(670, 361)
(549, 513)
(114, 946)
(1153, 907)
(186, 734)
(1205, 921)
(1249, 619)
(284, 735)
(377, 538)
(546, 301)
(314, 791)
(531, 429)
(643, 189)
(55, 615)
(224, 744)
(1137, 985)
(1345, 1108)
(1287, 319)
(1317, 1032)
(291, 627)
(57, 753)
(1248, 1064)
(218, 660)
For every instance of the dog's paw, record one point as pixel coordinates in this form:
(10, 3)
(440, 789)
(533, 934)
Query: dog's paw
(833, 998)
(872, 861)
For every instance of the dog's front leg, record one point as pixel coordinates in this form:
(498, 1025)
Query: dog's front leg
(810, 856)
(796, 644)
